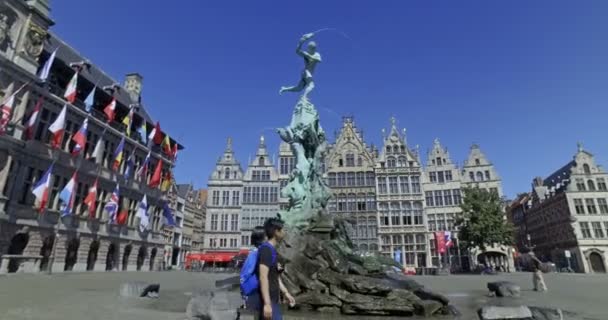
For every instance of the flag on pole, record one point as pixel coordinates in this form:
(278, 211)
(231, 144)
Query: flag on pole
(46, 69)
(152, 135)
(448, 239)
(118, 154)
(143, 132)
(80, 137)
(110, 109)
(174, 155)
(98, 151)
(157, 137)
(155, 180)
(143, 170)
(91, 199)
(122, 217)
(41, 189)
(7, 109)
(130, 165)
(90, 101)
(166, 145)
(167, 180)
(128, 120)
(440, 241)
(168, 219)
(70, 90)
(67, 196)
(31, 122)
(112, 206)
(142, 214)
(58, 128)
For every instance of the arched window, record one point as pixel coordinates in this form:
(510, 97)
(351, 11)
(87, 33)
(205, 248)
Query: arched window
(591, 185)
(227, 173)
(586, 169)
(395, 148)
(390, 162)
(403, 149)
(262, 161)
(479, 176)
(472, 176)
(388, 149)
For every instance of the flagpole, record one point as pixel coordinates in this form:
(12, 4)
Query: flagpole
(56, 227)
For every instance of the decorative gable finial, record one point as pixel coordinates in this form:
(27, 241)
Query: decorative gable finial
(579, 146)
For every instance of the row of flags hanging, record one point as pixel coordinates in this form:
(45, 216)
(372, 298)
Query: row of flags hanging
(57, 129)
(443, 240)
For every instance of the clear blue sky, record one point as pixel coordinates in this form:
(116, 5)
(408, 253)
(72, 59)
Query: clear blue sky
(526, 80)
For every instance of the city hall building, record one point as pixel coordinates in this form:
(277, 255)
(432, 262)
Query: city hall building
(82, 240)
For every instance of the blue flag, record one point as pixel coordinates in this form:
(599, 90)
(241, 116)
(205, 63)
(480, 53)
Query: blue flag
(130, 164)
(89, 101)
(168, 215)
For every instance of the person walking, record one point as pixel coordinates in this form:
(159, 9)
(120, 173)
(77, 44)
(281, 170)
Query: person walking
(268, 272)
(537, 274)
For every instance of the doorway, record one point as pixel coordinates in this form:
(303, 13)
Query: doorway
(597, 262)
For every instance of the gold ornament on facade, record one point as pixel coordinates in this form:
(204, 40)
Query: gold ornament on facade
(34, 42)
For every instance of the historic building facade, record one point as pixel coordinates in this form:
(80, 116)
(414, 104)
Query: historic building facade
(401, 225)
(443, 196)
(567, 214)
(350, 165)
(260, 193)
(225, 189)
(194, 219)
(287, 162)
(82, 240)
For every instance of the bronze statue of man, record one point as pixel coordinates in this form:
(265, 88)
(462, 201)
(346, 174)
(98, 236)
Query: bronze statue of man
(311, 58)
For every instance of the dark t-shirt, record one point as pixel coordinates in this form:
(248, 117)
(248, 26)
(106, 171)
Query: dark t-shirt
(265, 258)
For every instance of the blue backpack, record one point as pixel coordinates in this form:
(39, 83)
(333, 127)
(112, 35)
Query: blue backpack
(249, 277)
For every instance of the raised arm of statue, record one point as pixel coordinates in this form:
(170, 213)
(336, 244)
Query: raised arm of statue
(303, 39)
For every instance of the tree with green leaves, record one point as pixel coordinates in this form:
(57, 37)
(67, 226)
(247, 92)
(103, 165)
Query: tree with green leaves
(482, 223)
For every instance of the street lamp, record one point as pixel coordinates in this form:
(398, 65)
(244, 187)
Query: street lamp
(529, 242)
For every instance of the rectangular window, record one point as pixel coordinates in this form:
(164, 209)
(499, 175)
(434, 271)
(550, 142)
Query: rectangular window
(216, 198)
(395, 219)
(350, 160)
(448, 175)
(382, 185)
(393, 185)
(415, 184)
(369, 178)
(597, 229)
(360, 179)
(438, 198)
(274, 194)
(331, 181)
(585, 230)
(418, 220)
(457, 197)
(225, 198)
(404, 184)
(236, 198)
(341, 179)
(350, 177)
(601, 202)
(214, 222)
(234, 223)
(447, 197)
(224, 224)
(487, 175)
(429, 198)
(433, 176)
(601, 184)
(246, 194)
(361, 205)
(578, 205)
(580, 185)
(590, 206)
(440, 177)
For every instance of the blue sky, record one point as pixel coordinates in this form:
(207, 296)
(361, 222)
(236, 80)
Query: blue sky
(525, 80)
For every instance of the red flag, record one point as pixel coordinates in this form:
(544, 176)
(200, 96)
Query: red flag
(70, 91)
(110, 109)
(440, 241)
(156, 177)
(31, 122)
(122, 217)
(91, 198)
(158, 135)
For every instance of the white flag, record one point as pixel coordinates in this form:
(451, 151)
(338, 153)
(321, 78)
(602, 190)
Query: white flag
(98, 151)
(46, 69)
(142, 213)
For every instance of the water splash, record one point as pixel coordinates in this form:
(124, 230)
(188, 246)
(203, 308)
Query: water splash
(340, 32)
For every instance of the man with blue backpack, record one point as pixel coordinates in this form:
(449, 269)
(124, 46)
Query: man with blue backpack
(262, 285)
